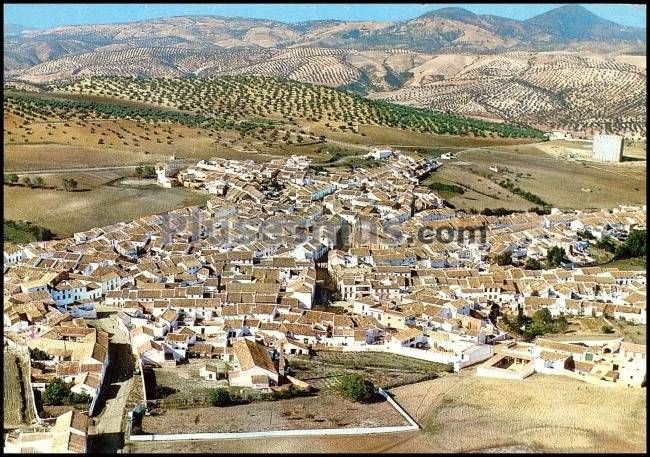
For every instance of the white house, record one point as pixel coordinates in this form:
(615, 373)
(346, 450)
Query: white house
(254, 367)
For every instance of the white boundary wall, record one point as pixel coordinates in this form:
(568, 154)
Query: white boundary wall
(290, 433)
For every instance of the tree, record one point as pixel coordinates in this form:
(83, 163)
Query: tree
(542, 317)
(495, 311)
(220, 397)
(532, 264)
(27, 181)
(607, 329)
(634, 245)
(503, 259)
(148, 171)
(356, 388)
(555, 256)
(37, 354)
(606, 243)
(70, 184)
(56, 392)
(38, 182)
(11, 178)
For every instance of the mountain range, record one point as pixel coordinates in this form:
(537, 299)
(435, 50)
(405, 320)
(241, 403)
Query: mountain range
(443, 30)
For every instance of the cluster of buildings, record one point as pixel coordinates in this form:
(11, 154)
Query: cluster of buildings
(604, 147)
(238, 282)
(601, 359)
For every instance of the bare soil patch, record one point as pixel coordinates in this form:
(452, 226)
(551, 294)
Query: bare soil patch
(320, 411)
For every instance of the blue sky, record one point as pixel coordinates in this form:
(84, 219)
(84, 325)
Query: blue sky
(51, 15)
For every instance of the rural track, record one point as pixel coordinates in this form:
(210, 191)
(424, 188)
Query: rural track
(65, 170)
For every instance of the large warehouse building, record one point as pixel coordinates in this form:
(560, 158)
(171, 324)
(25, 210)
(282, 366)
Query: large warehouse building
(607, 148)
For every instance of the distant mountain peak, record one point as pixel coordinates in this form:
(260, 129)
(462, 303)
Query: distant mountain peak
(452, 12)
(575, 22)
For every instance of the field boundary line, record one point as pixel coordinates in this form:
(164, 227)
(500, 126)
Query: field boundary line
(290, 433)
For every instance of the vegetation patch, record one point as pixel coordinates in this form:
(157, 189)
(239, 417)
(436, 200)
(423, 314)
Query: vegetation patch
(25, 232)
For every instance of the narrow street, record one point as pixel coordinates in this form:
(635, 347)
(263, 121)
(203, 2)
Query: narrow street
(108, 435)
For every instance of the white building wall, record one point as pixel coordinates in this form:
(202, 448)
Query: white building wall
(607, 148)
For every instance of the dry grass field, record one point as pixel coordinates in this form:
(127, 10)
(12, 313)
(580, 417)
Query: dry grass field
(542, 412)
(68, 212)
(564, 184)
(13, 402)
(16, 406)
(183, 381)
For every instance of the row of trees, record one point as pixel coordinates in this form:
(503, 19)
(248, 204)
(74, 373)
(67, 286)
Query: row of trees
(531, 197)
(240, 96)
(69, 184)
(36, 181)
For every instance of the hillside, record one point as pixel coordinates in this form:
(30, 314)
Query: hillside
(556, 90)
(232, 101)
(449, 59)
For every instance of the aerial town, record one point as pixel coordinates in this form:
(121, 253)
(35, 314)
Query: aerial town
(234, 284)
(292, 228)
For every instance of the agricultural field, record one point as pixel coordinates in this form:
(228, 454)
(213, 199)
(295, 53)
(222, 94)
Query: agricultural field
(561, 183)
(17, 410)
(634, 333)
(243, 100)
(325, 370)
(65, 213)
(558, 90)
(319, 411)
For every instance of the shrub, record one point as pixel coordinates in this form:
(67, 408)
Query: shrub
(220, 397)
(56, 393)
(70, 184)
(533, 264)
(357, 388)
(503, 259)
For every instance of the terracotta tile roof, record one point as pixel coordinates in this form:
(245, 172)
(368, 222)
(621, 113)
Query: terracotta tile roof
(251, 354)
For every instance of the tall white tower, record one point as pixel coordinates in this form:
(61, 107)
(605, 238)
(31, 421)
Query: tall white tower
(607, 148)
